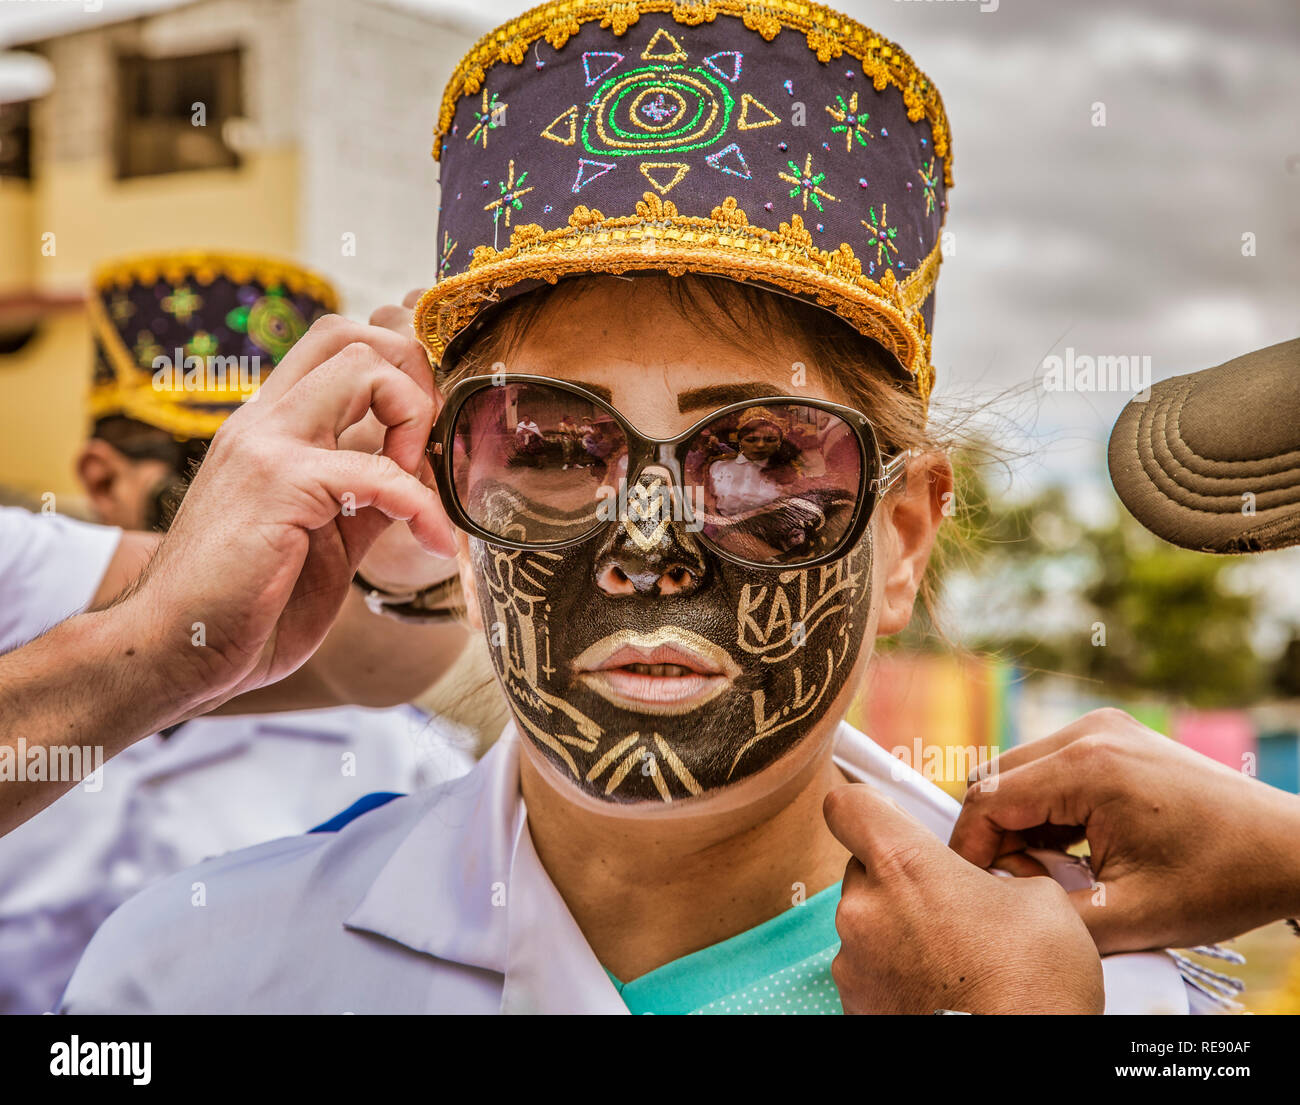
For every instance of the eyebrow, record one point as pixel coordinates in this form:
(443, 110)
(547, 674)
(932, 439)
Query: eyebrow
(719, 395)
(599, 389)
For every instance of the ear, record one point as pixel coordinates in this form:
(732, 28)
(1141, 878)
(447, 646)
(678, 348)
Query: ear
(910, 520)
(468, 584)
(99, 468)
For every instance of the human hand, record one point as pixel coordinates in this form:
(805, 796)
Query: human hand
(1184, 850)
(922, 929)
(396, 562)
(261, 554)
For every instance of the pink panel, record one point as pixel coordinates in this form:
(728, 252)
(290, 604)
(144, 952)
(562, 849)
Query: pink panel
(1224, 735)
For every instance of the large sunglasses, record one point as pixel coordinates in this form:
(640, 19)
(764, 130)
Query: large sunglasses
(529, 462)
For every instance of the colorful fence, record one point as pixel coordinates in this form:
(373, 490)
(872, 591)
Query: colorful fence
(945, 714)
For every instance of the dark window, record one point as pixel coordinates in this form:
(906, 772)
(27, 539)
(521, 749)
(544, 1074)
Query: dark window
(16, 141)
(156, 127)
(15, 336)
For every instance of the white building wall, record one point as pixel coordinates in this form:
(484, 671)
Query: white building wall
(373, 77)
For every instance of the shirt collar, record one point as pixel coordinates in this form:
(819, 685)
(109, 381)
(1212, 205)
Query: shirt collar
(467, 886)
(444, 890)
(467, 866)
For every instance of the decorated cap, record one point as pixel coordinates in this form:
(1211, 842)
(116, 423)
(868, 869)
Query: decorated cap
(775, 142)
(182, 339)
(1211, 461)
(756, 415)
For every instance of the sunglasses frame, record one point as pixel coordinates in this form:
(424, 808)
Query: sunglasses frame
(643, 450)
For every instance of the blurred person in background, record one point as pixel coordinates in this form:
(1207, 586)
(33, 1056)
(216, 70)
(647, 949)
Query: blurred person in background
(181, 340)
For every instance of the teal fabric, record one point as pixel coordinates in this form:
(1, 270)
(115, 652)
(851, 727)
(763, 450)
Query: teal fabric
(782, 966)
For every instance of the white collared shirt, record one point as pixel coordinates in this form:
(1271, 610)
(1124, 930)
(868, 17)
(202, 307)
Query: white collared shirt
(434, 903)
(217, 785)
(741, 484)
(50, 568)
(161, 805)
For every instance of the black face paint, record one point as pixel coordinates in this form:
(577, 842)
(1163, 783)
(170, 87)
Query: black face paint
(788, 638)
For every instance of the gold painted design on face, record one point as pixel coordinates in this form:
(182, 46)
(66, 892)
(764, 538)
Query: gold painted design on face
(555, 746)
(788, 624)
(800, 706)
(598, 768)
(648, 502)
(514, 610)
(686, 640)
(634, 757)
(776, 619)
(679, 769)
(638, 751)
(791, 613)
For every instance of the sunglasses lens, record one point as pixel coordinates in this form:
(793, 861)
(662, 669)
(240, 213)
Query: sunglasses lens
(529, 462)
(778, 483)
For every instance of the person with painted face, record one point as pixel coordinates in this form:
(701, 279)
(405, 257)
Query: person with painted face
(648, 834)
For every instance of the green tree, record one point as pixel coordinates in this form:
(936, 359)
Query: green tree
(1110, 603)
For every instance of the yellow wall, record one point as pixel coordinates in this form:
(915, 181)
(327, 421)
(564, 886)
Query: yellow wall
(94, 218)
(42, 415)
(16, 257)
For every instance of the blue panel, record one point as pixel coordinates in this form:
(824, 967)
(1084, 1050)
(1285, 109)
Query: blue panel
(1279, 760)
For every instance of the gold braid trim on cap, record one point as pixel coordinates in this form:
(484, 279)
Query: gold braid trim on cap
(829, 35)
(725, 244)
(197, 414)
(205, 267)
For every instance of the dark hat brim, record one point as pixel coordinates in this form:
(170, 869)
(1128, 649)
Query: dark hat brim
(1211, 461)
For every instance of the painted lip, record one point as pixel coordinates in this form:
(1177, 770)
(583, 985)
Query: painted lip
(709, 670)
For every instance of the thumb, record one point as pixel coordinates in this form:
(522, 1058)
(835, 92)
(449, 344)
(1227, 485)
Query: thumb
(870, 825)
(1105, 922)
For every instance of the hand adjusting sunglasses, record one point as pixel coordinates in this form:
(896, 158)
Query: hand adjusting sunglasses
(530, 462)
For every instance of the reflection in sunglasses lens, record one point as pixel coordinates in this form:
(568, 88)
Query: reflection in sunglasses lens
(778, 483)
(529, 461)
(775, 483)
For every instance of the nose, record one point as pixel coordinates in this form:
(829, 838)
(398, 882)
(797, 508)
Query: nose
(649, 551)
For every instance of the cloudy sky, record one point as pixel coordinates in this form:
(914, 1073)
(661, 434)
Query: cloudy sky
(1122, 239)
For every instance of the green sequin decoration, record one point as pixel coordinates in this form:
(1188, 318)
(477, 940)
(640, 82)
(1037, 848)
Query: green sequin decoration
(693, 102)
(807, 183)
(182, 303)
(202, 344)
(273, 323)
(850, 122)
